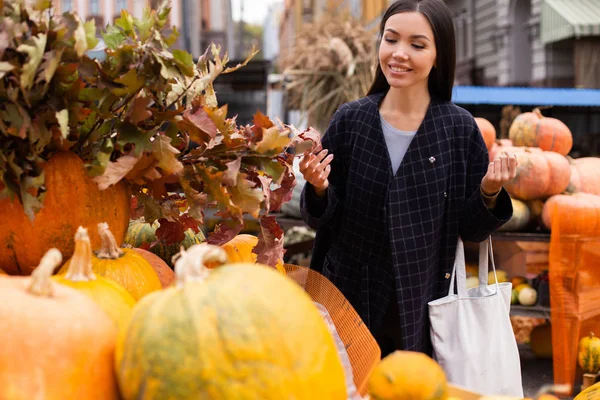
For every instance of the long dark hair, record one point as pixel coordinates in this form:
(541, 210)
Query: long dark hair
(441, 78)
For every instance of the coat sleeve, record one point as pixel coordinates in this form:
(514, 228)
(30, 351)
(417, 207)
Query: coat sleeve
(477, 221)
(318, 211)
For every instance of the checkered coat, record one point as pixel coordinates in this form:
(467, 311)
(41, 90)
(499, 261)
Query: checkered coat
(383, 237)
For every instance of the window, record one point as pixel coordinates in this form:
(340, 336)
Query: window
(66, 5)
(121, 4)
(94, 7)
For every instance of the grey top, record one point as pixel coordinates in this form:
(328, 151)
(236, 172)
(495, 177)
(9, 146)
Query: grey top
(397, 142)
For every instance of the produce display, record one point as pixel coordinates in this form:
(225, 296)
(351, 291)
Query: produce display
(588, 356)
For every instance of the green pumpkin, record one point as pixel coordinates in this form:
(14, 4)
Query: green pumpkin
(140, 233)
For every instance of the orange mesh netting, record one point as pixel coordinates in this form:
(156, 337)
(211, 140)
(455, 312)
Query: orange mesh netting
(574, 288)
(362, 349)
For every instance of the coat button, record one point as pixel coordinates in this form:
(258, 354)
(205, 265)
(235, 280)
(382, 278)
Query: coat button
(445, 195)
(447, 276)
(431, 160)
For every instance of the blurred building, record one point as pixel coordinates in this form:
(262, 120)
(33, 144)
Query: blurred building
(199, 22)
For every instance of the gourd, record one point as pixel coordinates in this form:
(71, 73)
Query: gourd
(124, 266)
(141, 233)
(239, 249)
(72, 199)
(108, 294)
(534, 130)
(57, 343)
(227, 337)
(165, 274)
(487, 131)
(408, 375)
(579, 213)
(585, 175)
(588, 355)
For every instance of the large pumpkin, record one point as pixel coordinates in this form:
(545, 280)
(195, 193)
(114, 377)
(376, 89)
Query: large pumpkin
(113, 298)
(588, 355)
(141, 233)
(72, 199)
(540, 174)
(487, 131)
(532, 129)
(585, 175)
(55, 342)
(125, 266)
(219, 334)
(579, 213)
(408, 375)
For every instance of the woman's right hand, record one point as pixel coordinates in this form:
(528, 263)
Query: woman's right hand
(316, 168)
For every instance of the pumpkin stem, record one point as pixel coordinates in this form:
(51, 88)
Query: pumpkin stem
(538, 112)
(109, 248)
(190, 264)
(40, 282)
(80, 267)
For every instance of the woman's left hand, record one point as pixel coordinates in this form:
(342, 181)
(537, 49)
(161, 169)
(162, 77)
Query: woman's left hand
(500, 171)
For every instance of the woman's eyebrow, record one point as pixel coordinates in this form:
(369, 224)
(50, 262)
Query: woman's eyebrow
(412, 36)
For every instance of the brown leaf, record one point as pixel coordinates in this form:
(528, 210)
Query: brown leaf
(170, 232)
(273, 140)
(262, 121)
(189, 223)
(138, 111)
(284, 192)
(231, 173)
(115, 171)
(196, 200)
(224, 232)
(246, 196)
(144, 169)
(307, 141)
(265, 182)
(201, 120)
(269, 249)
(165, 154)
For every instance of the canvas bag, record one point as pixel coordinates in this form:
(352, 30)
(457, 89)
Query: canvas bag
(471, 333)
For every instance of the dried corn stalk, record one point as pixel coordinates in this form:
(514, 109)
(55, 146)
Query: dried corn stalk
(331, 63)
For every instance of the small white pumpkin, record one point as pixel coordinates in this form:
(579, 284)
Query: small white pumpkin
(528, 296)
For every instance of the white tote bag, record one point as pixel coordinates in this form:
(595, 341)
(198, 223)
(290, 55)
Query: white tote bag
(471, 333)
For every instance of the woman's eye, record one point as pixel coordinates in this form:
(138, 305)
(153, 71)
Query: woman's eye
(390, 40)
(418, 46)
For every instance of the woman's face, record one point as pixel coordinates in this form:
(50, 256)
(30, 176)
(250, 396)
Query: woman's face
(407, 51)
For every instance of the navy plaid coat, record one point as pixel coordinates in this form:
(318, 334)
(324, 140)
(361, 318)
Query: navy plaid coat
(383, 237)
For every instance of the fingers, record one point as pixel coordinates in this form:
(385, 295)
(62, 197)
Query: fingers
(316, 168)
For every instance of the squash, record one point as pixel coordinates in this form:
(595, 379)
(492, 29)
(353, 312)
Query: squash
(487, 131)
(540, 174)
(166, 276)
(579, 213)
(527, 296)
(541, 341)
(521, 217)
(408, 375)
(227, 337)
(141, 233)
(590, 393)
(108, 294)
(585, 175)
(71, 199)
(56, 343)
(532, 129)
(588, 355)
(124, 266)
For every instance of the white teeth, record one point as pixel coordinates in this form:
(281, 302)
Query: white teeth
(398, 69)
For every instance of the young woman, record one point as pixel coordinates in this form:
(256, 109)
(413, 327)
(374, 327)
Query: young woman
(403, 173)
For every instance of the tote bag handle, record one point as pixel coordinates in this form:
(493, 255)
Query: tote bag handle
(459, 273)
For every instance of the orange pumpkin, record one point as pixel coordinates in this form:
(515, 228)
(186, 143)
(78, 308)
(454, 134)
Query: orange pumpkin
(125, 266)
(164, 272)
(578, 213)
(540, 174)
(408, 375)
(487, 131)
(532, 129)
(585, 175)
(113, 298)
(56, 342)
(72, 199)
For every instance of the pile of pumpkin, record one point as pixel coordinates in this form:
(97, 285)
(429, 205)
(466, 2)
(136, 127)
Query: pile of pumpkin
(547, 178)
